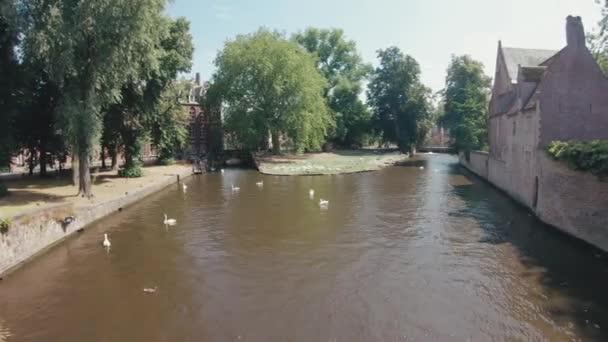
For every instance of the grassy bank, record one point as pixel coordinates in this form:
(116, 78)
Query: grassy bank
(31, 193)
(338, 162)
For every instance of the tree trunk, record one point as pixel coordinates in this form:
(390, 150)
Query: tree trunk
(75, 170)
(85, 175)
(113, 151)
(32, 162)
(42, 160)
(276, 144)
(102, 155)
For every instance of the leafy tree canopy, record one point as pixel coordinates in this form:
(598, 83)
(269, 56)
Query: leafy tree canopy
(91, 48)
(466, 103)
(338, 60)
(398, 98)
(270, 85)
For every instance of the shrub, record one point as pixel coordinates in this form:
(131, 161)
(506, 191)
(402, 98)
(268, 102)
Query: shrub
(132, 172)
(590, 156)
(165, 161)
(5, 223)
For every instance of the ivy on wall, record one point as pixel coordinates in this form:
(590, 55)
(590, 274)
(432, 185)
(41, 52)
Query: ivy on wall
(590, 156)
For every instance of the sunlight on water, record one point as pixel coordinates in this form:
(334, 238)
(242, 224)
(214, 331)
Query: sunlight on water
(4, 332)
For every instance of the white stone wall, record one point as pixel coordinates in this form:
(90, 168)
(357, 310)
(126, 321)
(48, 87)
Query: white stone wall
(32, 233)
(573, 201)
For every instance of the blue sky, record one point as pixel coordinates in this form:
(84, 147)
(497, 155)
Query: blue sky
(429, 30)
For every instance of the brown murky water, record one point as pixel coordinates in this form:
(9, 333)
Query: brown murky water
(402, 254)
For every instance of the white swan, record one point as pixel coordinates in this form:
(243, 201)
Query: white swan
(260, 184)
(422, 168)
(222, 170)
(235, 188)
(106, 242)
(169, 221)
(323, 203)
(311, 193)
(184, 187)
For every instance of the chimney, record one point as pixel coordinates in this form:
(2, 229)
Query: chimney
(575, 33)
(197, 78)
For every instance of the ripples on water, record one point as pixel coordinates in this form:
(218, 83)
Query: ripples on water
(4, 332)
(399, 254)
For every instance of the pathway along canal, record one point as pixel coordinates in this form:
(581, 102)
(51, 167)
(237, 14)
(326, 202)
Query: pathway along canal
(400, 254)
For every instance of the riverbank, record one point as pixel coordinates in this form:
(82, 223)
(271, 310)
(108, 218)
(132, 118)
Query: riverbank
(572, 201)
(339, 162)
(37, 208)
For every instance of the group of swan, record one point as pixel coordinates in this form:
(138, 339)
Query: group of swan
(171, 221)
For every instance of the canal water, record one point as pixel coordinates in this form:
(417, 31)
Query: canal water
(402, 254)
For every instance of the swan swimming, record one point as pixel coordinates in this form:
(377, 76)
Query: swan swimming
(184, 187)
(106, 242)
(222, 170)
(235, 188)
(311, 193)
(422, 168)
(260, 184)
(169, 221)
(323, 203)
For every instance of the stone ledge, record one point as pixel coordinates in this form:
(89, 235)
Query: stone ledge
(32, 233)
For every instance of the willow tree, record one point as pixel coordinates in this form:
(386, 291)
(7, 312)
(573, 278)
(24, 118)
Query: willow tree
(270, 85)
(91, 48)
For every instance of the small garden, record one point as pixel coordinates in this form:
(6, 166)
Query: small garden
(589, 156)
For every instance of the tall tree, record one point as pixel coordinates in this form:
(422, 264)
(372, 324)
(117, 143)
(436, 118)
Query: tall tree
(91, 48)
(36, 126)
(8, 77)
(466, 103)
(144, 98)
(598, 41)
(169, 128)
(343, 67)
(271, 86)
(398, 99)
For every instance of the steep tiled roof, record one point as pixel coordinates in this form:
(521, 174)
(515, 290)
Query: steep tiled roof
(524, 57)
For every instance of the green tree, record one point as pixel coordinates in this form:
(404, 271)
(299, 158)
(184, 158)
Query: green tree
(36, 126)
(270, 85)
(466, 103)
(91, 48)
(398, 99)
(342, 66)
(148, 101)
(170, 123)
(8, 75)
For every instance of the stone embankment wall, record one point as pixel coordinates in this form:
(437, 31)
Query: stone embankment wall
(32, 233)
(572, 201)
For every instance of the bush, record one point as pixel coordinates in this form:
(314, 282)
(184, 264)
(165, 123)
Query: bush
(590, 156)
(132, 172)
(5, 223)
(165, 161)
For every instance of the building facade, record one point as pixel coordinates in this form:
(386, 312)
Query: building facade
(541, 96)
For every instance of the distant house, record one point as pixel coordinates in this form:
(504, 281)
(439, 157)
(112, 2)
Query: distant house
(541, 96)
(205, 125)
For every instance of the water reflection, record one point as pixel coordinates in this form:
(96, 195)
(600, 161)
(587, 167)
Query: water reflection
(400, 254)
